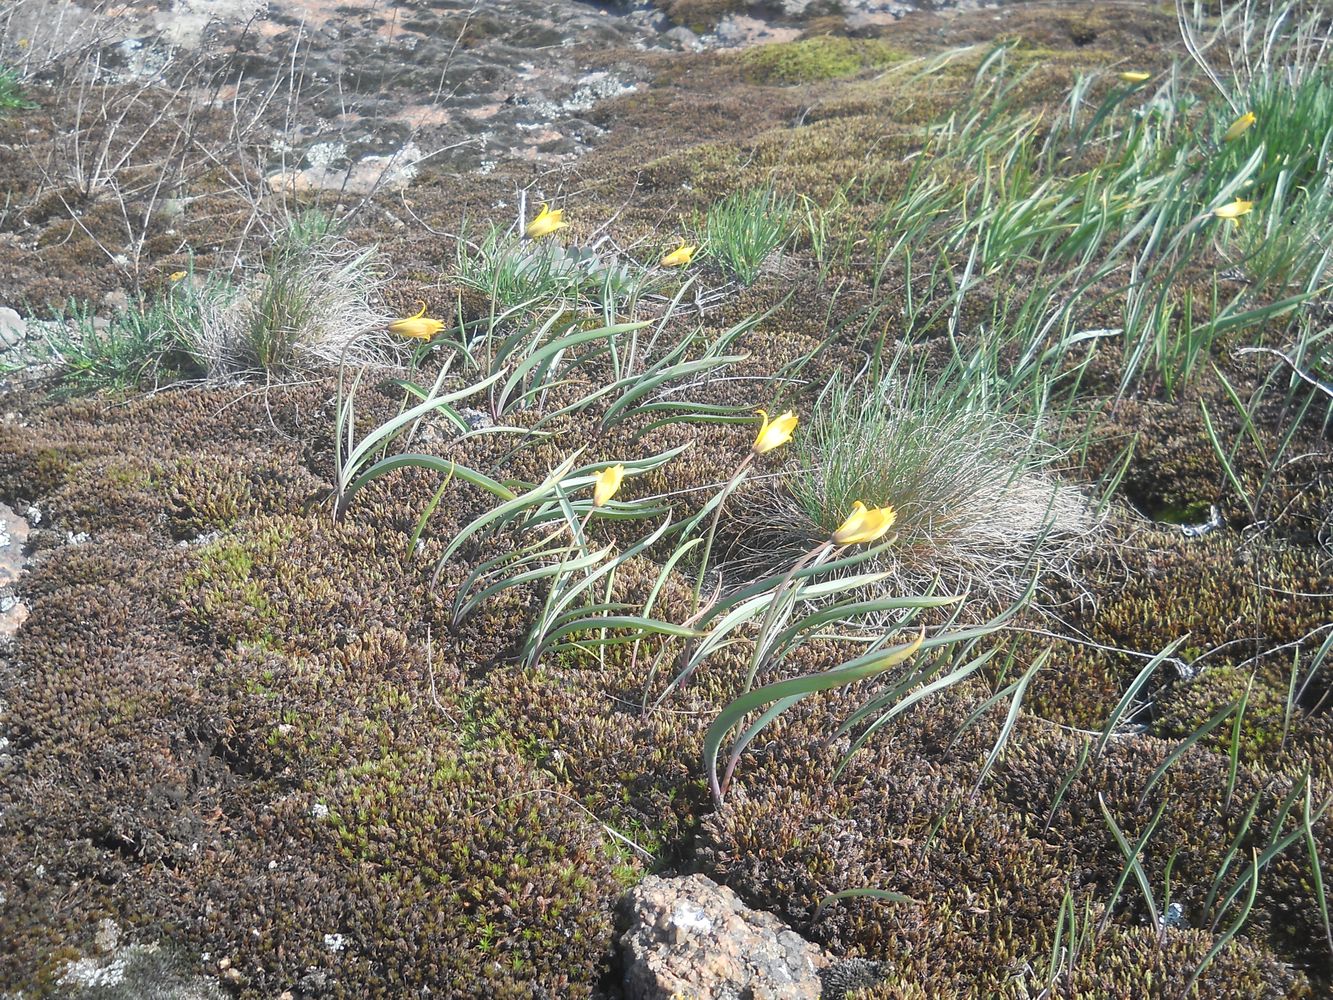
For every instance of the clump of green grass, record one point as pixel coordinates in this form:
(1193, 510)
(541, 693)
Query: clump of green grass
(11, 92)
(287, 302)
(977, 503)
(513, 271)
(743, 229)
(147, 345)
(313, 300)
(1292, 181)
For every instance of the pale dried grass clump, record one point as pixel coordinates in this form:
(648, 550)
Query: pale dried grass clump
(980, 508)
(314, 301)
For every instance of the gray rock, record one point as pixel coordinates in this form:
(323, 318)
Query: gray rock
(117, 300)
(13, 537)
(692, 937)
(13, 329)
(107, 937)
(684, 38)
(136, 972)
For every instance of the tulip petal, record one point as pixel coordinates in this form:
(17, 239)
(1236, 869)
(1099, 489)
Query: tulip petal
(607, 484)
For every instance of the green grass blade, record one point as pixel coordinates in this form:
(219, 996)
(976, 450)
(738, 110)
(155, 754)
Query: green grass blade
(858, 669)
(1132, 692)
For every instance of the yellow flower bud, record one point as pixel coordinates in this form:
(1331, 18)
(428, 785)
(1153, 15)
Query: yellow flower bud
(864, 525)
(546, 222)
(1135, 76)
(1233, 210)
(418, 327)
(1238, 127)
(775, 433)
(679, 258)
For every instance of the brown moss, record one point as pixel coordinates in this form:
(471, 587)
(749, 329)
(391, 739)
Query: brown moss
(897, 820)
(1237, 589)
(1199, 824)
(461, 870)
(215, 491)
(986, 872)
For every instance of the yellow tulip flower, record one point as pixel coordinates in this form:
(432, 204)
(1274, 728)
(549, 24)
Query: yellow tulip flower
(1238, 127)
(775, 433)
(418, 327)
(546, 222)
(1233, 210)
(608, 484)
(679, 258)
(864, 525)
(175, 276)
(1135, 76)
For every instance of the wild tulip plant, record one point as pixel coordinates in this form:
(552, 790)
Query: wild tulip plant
(861, 527)
(540, 531)
(764, 614)
(773, 434)
(824, 594)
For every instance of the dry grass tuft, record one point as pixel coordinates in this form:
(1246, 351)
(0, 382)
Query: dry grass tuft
(979, 507)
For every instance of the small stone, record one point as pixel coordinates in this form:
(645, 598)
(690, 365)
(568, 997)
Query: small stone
(314, 982)
(475, 419)
(171, 208)
(107, 936)
(684, 38)
(13, 328)
(117, 300)
(288, 182)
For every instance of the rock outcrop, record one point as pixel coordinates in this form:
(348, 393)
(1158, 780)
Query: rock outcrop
(692, 937)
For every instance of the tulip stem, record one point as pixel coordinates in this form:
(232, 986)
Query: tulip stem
(732, 483)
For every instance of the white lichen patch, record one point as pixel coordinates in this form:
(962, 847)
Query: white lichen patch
(90, 973)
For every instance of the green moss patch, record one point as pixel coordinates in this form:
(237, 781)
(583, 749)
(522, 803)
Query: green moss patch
(809, 60)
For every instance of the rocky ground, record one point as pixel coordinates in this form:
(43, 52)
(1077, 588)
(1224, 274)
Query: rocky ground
(245, 748)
